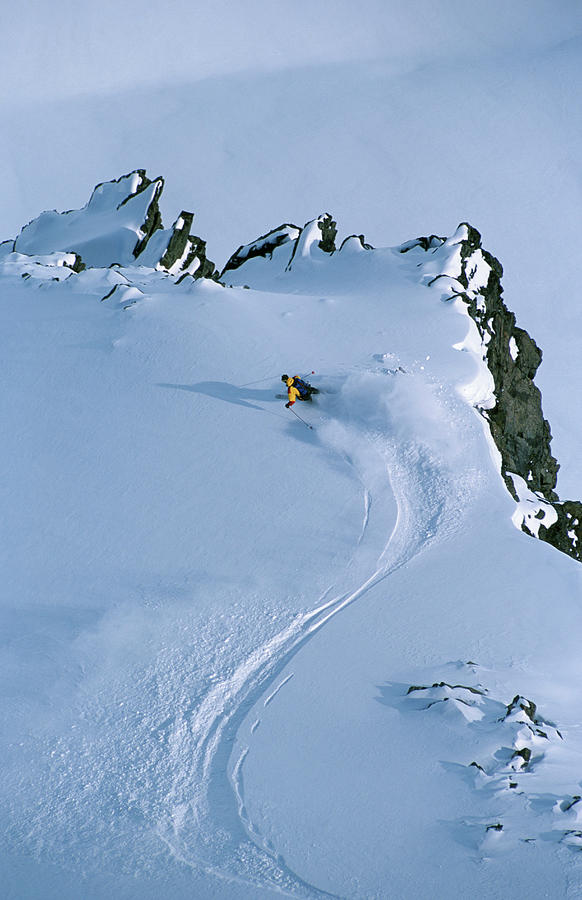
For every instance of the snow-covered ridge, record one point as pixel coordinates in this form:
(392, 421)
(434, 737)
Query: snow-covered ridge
(287, 246)
(121, 226)
(504, 391)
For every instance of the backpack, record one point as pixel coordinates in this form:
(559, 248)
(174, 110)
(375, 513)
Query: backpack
(301, 386)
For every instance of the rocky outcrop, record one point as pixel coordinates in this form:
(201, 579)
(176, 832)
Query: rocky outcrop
(51, 266)
(196, 263)
(566, 532)
(355, 242)
(328, 229)
(77, 264)
(120, 225)
(286, 246)
(153, 217)
(426, 243)
(517, 424)
(178, 252)
(466, 272)
(263, 247)
(112, 228)
(502, 750)
(317, 235)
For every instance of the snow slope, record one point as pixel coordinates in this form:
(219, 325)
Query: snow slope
(212, 615)
(428, 117)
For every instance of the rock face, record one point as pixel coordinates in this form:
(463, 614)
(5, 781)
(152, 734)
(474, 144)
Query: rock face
(178, 252)
(518, 427)
(566, 532)
(263, 247)
(114, 226)
(120, 225)
(153, 218)
(286, 247)
(316, 237)
(470, 274)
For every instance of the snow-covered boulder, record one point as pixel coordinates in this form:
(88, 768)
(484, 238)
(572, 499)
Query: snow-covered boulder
(317, 237)
(426, 243)
(50, 266)
(354, 243)
(264, 247)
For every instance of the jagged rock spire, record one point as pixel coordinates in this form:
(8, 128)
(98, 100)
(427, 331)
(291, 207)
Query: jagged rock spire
(120, 225)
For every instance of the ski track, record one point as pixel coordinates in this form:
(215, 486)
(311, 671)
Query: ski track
(209, 828)
(277, 689)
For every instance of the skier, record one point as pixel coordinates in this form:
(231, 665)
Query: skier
(297, 389)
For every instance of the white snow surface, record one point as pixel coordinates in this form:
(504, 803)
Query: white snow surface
(105, 231)
(212, 614)
(400, 119)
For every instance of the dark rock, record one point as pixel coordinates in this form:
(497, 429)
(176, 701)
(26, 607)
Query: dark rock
(356, 237)
(78, 265)
(326, 226)
(453, 687)
(110, 293)
(565, 805)
(566, 533)
(518, 427)
(427, 243)
(328, 229)
(178, 240)
(153, 217)
(527, 706)
(525, 754)
(185, 253)
(463, 687)
(264, 246)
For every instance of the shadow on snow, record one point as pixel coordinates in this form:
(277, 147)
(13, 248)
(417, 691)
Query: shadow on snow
(230, 393)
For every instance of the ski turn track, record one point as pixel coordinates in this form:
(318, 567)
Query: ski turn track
(207, 827)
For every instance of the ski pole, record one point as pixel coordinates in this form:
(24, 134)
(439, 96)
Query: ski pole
(300, 419)
(260, 381)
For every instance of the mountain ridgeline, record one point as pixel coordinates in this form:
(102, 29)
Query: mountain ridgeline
(121, 225)
(121, 229)
(515, 418)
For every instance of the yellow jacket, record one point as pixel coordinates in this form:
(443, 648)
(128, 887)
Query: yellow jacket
(292, 392)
